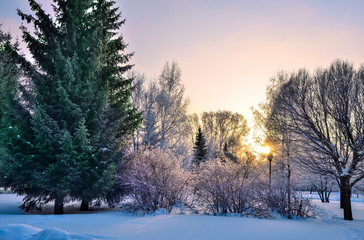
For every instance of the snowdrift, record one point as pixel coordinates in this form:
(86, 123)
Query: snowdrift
(27, 232)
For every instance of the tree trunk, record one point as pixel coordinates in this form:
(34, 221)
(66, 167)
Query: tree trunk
(328, 190)
(325, 191)
(341, 197)
(320, 193)
(327, 194)
(84, 205)
(289, 191)
(345, 195)
(58, 205)
(270, 175)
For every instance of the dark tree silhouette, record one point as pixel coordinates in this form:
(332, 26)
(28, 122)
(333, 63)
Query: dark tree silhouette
(200, 149)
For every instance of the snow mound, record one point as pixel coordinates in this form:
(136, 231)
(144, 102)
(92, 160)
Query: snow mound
(17, 231)
(58, 234)
(23, 231)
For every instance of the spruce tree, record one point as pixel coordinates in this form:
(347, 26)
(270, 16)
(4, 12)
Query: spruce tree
(80, 106)
(200, 150)
(9, 74)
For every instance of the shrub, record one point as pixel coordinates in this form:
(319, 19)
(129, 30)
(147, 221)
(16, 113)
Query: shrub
(223, 187)
(153, 180)
(276, 199)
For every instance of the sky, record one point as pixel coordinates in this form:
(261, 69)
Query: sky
(229, 49)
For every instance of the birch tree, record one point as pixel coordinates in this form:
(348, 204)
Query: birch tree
(224, 127)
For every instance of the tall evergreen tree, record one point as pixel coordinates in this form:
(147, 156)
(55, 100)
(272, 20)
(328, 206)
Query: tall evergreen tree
(9, 74)
(200, 149)
(80, 112)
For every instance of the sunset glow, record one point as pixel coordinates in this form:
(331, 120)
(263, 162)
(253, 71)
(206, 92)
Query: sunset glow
(261, 150)
(230, 49)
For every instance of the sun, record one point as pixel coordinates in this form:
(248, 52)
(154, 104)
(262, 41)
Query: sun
(262, 149)
(257, 147)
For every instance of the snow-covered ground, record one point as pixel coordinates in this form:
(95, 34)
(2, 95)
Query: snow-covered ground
(14, 224)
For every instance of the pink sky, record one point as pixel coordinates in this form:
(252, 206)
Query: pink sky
(228, 50)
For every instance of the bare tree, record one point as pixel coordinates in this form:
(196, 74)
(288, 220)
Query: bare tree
(172, 106)
(325, 112)
(224, 127)
(164, 109)
(138, 97)
(193, 124)
(323, 187)
(273, 122)
(210, 131)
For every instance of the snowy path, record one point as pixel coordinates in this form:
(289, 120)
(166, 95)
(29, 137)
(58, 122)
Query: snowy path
(115, 225)
(331, 214)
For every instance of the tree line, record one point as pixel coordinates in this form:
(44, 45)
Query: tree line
(167, 125)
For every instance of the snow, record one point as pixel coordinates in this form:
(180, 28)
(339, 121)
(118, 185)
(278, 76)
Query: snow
(17, 231)
(14, 224)
(26, 232)
(57, 234)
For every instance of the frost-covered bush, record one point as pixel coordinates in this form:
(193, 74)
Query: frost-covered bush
(223, 187)
(153, 180)
(301, 206)
(276, 199)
